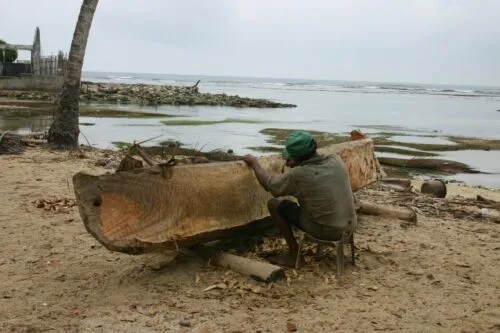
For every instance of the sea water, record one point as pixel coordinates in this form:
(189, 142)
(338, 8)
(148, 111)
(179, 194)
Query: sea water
(331, 106)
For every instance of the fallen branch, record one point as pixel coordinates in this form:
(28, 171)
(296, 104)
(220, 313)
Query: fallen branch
(369, 208)
(3, 134)
(129, 163)
(144, 155)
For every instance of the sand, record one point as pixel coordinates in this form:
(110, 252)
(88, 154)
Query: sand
(441, 275)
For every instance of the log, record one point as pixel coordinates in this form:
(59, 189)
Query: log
(146, 210)
(369, 208)
(404, 183)
(259, 270)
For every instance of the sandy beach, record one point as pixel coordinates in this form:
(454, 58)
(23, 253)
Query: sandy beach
(438, 276)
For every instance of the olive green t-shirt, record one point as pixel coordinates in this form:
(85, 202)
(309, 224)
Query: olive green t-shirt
(322, 188)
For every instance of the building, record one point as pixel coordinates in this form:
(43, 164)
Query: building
(38, 66)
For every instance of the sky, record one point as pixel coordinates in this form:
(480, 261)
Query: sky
(421, 41)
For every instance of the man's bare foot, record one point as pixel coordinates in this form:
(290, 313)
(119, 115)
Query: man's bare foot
(285, 260)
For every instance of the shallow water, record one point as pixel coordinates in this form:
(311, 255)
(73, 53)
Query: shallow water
(25, 125)
(323, 106)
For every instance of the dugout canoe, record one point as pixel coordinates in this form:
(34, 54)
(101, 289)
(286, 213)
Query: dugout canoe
(147, 209)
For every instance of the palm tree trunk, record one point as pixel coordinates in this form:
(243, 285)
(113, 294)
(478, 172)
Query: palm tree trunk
(64, 130)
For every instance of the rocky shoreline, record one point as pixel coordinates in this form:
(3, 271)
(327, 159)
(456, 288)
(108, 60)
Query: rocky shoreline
(151, 95)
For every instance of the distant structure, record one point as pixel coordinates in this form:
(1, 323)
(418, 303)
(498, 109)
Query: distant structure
(44, 73)
(38, 66)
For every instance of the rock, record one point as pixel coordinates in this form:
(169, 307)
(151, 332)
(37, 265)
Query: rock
(155, 95)
(184, 323)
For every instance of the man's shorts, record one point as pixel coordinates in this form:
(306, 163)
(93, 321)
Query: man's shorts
(291, 212)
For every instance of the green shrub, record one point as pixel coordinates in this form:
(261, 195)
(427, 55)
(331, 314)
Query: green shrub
(10, 54)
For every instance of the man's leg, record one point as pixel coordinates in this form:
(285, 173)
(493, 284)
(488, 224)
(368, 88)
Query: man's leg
(286, 230)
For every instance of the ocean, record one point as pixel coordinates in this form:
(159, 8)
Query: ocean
(322, 105)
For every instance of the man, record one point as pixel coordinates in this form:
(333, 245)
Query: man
(321, 185)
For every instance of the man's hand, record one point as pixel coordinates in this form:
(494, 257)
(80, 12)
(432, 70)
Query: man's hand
(250, 160)
(261, 174)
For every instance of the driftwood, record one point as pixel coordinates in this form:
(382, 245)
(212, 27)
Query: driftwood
(369, 208)
(129, 163)
(149, 209)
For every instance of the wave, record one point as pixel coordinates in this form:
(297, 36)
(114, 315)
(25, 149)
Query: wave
(112, 77)
(298, 84)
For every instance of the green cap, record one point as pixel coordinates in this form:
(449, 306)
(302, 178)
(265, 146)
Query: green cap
(298, 144)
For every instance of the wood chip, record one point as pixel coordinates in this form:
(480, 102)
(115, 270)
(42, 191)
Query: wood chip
(462, 264)
(291, 326)
(215, 286)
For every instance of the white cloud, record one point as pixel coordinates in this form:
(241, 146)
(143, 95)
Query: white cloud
(439, 41)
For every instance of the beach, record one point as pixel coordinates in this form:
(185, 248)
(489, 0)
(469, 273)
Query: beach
(440, 275)
(437, 275)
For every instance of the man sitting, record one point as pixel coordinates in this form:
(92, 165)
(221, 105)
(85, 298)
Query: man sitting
(322, 188)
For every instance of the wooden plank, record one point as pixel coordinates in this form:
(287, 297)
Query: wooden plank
(150, 209)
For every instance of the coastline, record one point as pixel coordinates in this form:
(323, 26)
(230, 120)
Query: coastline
(147, 94)
(62, 279)
(426, 156)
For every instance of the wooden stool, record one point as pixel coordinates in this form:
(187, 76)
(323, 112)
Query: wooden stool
(339, 247)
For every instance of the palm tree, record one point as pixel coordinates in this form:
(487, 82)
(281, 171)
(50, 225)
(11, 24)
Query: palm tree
(64, 130)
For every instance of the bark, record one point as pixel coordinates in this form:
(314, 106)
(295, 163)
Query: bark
(64, 131)
(150, 209)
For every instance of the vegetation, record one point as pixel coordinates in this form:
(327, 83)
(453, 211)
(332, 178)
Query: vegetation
(208, 122)
(10, 54)
(115, 113)
(267, 149)
(278, 136)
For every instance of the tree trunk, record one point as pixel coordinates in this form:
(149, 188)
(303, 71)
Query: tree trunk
(152, 209)
(64, 131)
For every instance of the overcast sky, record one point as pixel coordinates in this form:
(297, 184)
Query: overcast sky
(430, 41)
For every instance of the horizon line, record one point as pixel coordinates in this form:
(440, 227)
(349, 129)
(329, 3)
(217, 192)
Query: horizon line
(291, 78)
